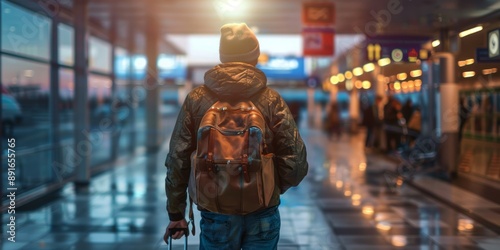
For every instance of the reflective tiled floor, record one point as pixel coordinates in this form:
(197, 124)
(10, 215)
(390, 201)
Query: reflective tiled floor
(345, 202)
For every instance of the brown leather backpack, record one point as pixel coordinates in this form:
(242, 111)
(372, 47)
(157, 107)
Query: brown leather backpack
(231, 172)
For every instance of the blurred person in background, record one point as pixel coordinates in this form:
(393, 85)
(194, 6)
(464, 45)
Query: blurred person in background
(332, 121)
(373, 120)
(464, 115)
(392, 117)
(407, 110)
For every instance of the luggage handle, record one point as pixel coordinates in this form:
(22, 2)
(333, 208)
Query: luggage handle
(172, 231)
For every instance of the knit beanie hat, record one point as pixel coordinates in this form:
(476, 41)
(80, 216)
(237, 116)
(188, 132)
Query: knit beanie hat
(238, 44)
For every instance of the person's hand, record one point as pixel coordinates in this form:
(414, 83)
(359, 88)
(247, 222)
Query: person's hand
(175, 224)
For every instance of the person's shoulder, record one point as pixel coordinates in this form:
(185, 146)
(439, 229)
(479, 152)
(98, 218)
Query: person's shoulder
(197, 92)
(271, 94)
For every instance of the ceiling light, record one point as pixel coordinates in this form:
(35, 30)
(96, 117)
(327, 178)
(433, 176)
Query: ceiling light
(404, 85)
(334, 80)
(368, 67)
(418, 83)
(402, 76)
(416, 73)
(397, 85)
(436, 43)
(489, 71)
(366, 85)
(411, 84)
(461, 63)
(468, 74)
(341, 77)
(358, 84)
(384, 62)
(470, 31)
(469, 61)
(348, 75)
(357, 71)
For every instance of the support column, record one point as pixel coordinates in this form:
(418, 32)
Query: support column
(152, 88)
(444, 38)
(132, 104)
(448, 150)
(115, 135)
(54, 100)
(82, 146)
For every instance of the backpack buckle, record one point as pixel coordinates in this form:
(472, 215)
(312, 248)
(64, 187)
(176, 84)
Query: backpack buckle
(210, 162)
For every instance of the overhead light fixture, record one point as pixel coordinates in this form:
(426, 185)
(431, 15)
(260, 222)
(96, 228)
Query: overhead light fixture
(435, 43)
(357, 71)
(384, 62)
(341, 77)
(416, 73)
(358, 84)
(461, 63)
(418, 83)
(470, 31)
(348, 75)
(368, 67)
(397, 85)
(334, 80)
(366, 85)
(402, 76)
(489, 71)
(468, 74)
(411, 84)
(469, 61)
(404, 85)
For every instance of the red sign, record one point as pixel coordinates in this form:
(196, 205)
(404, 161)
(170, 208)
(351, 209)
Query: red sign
(318, 42)
(318, 14)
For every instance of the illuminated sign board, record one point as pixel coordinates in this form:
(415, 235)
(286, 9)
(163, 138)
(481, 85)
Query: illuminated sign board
(493, 46)
(483, 56)
(318, 14)
(318, 42)
(284, 68)
(169, 67)
(399, 49)
(172, 67)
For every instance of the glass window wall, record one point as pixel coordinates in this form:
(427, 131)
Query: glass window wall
(24, 32)
(26, 118)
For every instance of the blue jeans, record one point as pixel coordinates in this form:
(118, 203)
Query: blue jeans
(259, 230)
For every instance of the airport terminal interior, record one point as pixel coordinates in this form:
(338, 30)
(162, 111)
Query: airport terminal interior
(397, 101)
